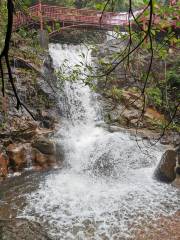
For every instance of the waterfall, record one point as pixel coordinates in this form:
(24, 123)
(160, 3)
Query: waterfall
(107, 185)
(79, 108)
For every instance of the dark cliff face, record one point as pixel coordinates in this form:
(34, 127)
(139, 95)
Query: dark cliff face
(79, 36)
(37, 89)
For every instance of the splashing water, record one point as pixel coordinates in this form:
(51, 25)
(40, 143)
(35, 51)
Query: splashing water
(108, 184)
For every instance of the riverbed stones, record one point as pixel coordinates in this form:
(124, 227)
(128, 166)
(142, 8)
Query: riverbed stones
(22, 229)
(165, 170)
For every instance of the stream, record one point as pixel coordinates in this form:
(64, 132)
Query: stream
(106, 188)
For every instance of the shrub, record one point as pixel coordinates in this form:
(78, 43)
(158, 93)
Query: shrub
(154, 96)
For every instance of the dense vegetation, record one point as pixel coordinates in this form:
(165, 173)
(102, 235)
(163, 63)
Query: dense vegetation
(3, 20)
(118, 5)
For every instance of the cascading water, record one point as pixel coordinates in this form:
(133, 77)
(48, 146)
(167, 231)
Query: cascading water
(107, 185)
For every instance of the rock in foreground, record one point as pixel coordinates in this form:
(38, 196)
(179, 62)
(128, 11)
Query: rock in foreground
(165, 170)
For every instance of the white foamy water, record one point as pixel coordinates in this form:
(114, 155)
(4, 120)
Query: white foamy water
(108, 183)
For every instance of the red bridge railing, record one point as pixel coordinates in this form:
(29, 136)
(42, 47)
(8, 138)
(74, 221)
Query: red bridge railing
(63, 14)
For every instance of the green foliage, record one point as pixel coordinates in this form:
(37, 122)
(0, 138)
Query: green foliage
(174, 127)
(118, 5)
(23, 32)
(174, 79)
(3, 22)
(115, 93)
(173, 75)
(154, 96)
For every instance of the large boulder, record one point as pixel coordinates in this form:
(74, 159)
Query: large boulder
(44, 145)
(17, 156)
(165, 170)
(19, 229)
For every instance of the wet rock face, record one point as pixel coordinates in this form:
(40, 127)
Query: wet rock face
(19, 229)
(42, 153)
(17, 156)
(44, 145)
(165, 170)
(46, 153)
(43, 160)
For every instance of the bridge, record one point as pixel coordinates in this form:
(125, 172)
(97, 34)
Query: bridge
(72, 17)
(68, 17)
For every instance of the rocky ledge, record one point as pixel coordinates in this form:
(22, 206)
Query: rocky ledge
(40, 151)
(24, 142)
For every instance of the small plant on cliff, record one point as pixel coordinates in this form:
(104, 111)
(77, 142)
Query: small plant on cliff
(154, 96)
(115, 93)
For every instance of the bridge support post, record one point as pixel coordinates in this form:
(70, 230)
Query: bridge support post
(40, 15)
(43, 39)
(43, 34)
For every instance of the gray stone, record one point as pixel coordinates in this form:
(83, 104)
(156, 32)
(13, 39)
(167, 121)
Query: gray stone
(131, 114)
(116, 129)
(115, 114)
(165, 170)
